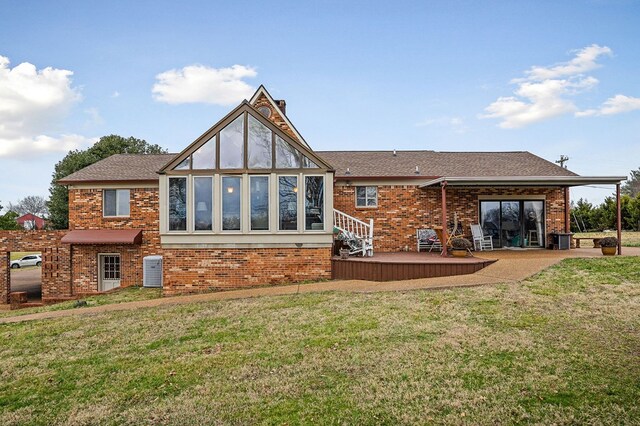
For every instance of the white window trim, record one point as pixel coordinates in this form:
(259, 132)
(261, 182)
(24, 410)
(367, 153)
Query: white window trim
(324, 203)
(117, 190)
(366, 198)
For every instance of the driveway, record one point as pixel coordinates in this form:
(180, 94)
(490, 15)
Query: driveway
(29, 280)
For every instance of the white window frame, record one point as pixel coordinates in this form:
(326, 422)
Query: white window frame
(366, 198)
(118, 192)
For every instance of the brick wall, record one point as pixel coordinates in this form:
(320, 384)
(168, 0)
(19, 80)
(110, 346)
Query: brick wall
(189, 270)
(56, 261)
(275, 117)
(85, 210)
(404, 208)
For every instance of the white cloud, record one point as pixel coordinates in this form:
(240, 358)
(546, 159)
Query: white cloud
(32, 102)
(115, 94)
(546, 92)
(201, 84)
(614, 105)
(456, 124)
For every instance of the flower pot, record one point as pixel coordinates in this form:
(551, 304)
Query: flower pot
(458, 253)
(609, 251)
(344, 253)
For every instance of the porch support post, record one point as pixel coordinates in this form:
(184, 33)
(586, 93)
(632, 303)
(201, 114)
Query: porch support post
(618, 219)
(567, 210)
(443, 185)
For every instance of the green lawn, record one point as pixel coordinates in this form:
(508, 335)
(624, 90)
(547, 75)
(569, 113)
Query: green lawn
(129, 294)
(15, 255)
(629, 238)
(560, 348)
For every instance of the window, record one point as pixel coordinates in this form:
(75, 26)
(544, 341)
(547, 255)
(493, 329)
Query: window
(178, 204)
(115, 202)
(314, 203)
(205, 156)
(288, 203)
(231, 203)
(259, 188)
(184, 164)
(203, 203)
(287, 157)
(232, 145)
(259, 145)
(366, 196)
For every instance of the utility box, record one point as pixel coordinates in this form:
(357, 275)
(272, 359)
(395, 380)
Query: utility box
(561, 240)
(152, 271)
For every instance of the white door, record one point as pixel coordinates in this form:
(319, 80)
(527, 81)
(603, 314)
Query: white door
(109, 271)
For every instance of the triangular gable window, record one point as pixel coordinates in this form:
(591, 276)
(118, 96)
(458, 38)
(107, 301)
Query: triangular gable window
(205, 156)
(259, 145)
(287, 157)
(232, 145)
(184, 164)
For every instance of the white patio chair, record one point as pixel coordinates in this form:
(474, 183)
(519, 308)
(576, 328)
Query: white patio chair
(481, 241)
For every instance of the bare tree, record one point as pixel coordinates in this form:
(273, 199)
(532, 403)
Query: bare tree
(34, 204)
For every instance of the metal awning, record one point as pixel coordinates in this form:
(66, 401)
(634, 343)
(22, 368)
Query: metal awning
(524, 181)
(103, 236)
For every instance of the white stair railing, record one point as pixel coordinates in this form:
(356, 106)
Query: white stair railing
(357, 228)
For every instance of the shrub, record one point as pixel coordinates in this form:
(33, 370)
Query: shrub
(609, 242)
(461, 244)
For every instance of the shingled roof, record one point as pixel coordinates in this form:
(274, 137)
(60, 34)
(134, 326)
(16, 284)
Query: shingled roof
(369, 164)
(121, 168)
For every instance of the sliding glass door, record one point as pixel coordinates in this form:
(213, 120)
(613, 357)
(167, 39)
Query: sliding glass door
(513, 223)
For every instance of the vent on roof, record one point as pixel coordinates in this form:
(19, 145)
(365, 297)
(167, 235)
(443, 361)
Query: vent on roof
(152, 271)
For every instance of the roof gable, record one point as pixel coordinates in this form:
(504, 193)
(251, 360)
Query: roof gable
(263, 98)
(214, 134)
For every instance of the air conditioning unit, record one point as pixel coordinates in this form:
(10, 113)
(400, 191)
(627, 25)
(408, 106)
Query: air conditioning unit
(152, 271)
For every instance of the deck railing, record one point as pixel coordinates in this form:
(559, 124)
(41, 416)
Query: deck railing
(353, 228)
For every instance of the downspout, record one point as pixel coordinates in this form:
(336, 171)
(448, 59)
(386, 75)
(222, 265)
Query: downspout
(619, 219)
(443, 185)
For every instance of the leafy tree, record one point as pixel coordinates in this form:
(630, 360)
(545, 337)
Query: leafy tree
(34, 204)
(632, 185)
(78, 159)
(8, 220)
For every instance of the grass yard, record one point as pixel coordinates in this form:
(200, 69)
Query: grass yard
(629, 238)
(562, 347)
(129, 294)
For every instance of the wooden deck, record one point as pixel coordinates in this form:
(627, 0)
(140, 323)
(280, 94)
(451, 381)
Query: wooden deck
(404, 266)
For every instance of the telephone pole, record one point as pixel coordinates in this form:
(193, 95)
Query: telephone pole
(563, 159)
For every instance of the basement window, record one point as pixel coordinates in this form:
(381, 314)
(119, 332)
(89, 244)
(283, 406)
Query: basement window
(116, 202)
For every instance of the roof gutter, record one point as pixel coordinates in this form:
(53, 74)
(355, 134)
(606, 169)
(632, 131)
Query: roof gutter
(525, 181)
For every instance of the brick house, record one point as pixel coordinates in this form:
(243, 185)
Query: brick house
(250, 203)
(30, 221)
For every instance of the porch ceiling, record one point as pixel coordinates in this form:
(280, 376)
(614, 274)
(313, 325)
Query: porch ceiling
(524, 181)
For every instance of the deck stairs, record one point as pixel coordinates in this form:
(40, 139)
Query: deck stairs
(357, 234)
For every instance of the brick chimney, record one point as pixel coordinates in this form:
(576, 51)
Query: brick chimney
(282, 105)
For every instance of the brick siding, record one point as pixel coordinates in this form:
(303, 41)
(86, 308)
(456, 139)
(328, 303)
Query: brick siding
(404, 208)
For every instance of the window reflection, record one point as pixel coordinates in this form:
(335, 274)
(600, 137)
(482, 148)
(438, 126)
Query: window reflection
(259, 203)
(205, 156)
(232, 145)
(178, 204)
(314, 203)
(259, 145)
(288, 203)
(231, 203)
(202, 202)
(287, 157)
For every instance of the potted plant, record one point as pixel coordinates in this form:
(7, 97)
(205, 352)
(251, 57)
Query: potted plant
(609, 246)
(460, 246)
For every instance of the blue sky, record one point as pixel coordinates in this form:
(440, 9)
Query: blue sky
(547, 77)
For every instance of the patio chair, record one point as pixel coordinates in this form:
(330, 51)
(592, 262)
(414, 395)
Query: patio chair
(427, 238)
(481, 241)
